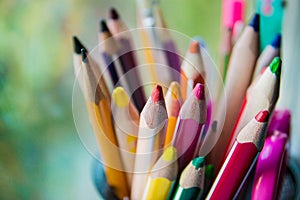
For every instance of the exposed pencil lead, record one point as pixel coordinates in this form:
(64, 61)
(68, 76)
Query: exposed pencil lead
(199, 91)
(157, 94)
(103, 26)
(262, 116)
(277, 41)
(255, 22)
(77, 45)
(194, 47)
(198, 162)
(275, 66)
(113, 14)
(84, 55)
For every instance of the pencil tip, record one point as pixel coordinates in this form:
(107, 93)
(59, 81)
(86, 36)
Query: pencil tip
(209, 171)
(255, 22)
(157, 94)
(170, 154)
(175, 90)
(198, 162)
(113, 14)
(276, 43)
(77, 45)
(84, 55)
(120, 97)
(194, 47)
(103, 26)
(199, 92)
(275, 66)
(262, 116)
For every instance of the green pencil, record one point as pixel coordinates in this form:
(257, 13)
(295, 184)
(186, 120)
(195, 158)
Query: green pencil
(191, 183)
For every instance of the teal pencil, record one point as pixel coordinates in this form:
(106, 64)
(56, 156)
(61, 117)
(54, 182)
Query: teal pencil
(191, 183)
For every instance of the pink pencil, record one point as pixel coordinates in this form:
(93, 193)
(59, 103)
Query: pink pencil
(243, 153)
(268, 168)
(191, 120)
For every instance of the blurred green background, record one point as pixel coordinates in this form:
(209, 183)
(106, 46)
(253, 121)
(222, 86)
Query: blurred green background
(41, 154)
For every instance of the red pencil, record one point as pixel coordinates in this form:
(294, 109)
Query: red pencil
(243, 153)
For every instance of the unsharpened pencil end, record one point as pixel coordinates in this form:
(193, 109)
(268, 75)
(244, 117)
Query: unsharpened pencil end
(255, 22)
(84, 55)
(113, 14)
(198, 162)
(77, 45)
(120, 97)
(175, 90)
(103, 26)
(199, 92)
(157, 94)
(194, 47)
(275, 66)
(262, 116)
(170, 154)
(276, 43)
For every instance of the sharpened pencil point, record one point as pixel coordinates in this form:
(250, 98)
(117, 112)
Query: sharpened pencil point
(77, 45)
(157, 94)
(113, 14)
(255, 22)
(198, 162)
(170, 154)
(103, 26)
(276, 43)
(262, 116)
(209, 171)
(175, 90)
(120, 97)
(194, 47)
(275, 66)
(199, 91)
(84, 55)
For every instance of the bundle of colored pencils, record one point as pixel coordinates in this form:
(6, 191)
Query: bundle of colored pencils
(175, 145)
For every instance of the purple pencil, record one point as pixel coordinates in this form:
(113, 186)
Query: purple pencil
(190, 123)
(127, 58)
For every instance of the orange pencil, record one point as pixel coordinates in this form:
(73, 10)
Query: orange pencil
(192, 70)
(173, 105)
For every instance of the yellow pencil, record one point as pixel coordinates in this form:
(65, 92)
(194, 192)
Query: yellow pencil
(100, 117)
(162, 176)
(126, 121)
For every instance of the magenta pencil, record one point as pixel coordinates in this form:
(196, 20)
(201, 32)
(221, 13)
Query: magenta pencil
(268, 168)
(191, 120)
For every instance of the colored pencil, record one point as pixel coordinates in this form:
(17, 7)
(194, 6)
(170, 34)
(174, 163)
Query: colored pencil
(162, 176)
(151, 137)
(233, 11)
(173, 104)
(168, 45)
(209, 141)
(190, 123)
(237, 31)
(77, 61)
(191, 183)
(100, 117)
(248, 144)
(127, 58)
(110, 56)
(192, 70)
(263, 95)
(268, 168)
(239, 74)
(280, 121)
(126, 121)
(269, 53)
